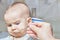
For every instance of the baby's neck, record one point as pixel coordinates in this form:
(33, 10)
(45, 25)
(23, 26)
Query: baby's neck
(16, 38)
(20, 38)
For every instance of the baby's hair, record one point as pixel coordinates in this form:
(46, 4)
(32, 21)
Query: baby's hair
(19, 3)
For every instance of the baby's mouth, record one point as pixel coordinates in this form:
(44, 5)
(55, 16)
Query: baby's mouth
(15, 32)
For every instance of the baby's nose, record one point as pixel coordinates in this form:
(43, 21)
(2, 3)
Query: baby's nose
(14, 27)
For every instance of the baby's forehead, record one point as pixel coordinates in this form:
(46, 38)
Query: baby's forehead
(10, 19)
(13, 16)
(17, 11)
(18, 7)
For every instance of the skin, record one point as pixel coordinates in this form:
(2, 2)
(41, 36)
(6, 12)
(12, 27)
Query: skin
(17, 20)
(43, 30)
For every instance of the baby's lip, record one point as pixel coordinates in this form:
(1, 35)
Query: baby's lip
(15, 31)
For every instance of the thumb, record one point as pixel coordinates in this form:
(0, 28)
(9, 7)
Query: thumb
(34, 28)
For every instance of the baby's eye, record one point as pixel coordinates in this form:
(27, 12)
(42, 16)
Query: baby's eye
(9, 25)
(17, 23)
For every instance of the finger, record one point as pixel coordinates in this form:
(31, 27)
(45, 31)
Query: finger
(30, 32)
(41, 24)
(28, 29)
(34, 28)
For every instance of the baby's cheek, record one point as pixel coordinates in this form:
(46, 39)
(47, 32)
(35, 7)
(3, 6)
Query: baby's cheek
(22, 27)
(9, 29)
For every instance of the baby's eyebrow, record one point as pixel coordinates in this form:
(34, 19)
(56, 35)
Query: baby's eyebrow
(8, 24)
(17, 21)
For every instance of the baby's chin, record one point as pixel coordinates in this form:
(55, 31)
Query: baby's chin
(19, 35)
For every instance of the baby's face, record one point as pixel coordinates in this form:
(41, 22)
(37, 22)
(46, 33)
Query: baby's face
(16, 26)
(16, 23)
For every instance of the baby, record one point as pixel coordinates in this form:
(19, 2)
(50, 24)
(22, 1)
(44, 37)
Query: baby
(17, 20)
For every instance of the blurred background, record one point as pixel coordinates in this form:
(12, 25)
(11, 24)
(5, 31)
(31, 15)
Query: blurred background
(48, 10)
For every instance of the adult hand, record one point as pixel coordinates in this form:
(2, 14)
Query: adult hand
(42, 29)
(31, 32)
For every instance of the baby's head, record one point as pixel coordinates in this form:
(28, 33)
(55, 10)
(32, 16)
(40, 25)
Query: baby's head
(17, 19)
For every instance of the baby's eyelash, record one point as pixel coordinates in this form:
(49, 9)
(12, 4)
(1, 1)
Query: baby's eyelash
(17, 23)
(9, 25)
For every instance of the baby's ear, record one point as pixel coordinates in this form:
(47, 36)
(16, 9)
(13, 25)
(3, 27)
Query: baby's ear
(29, 20)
